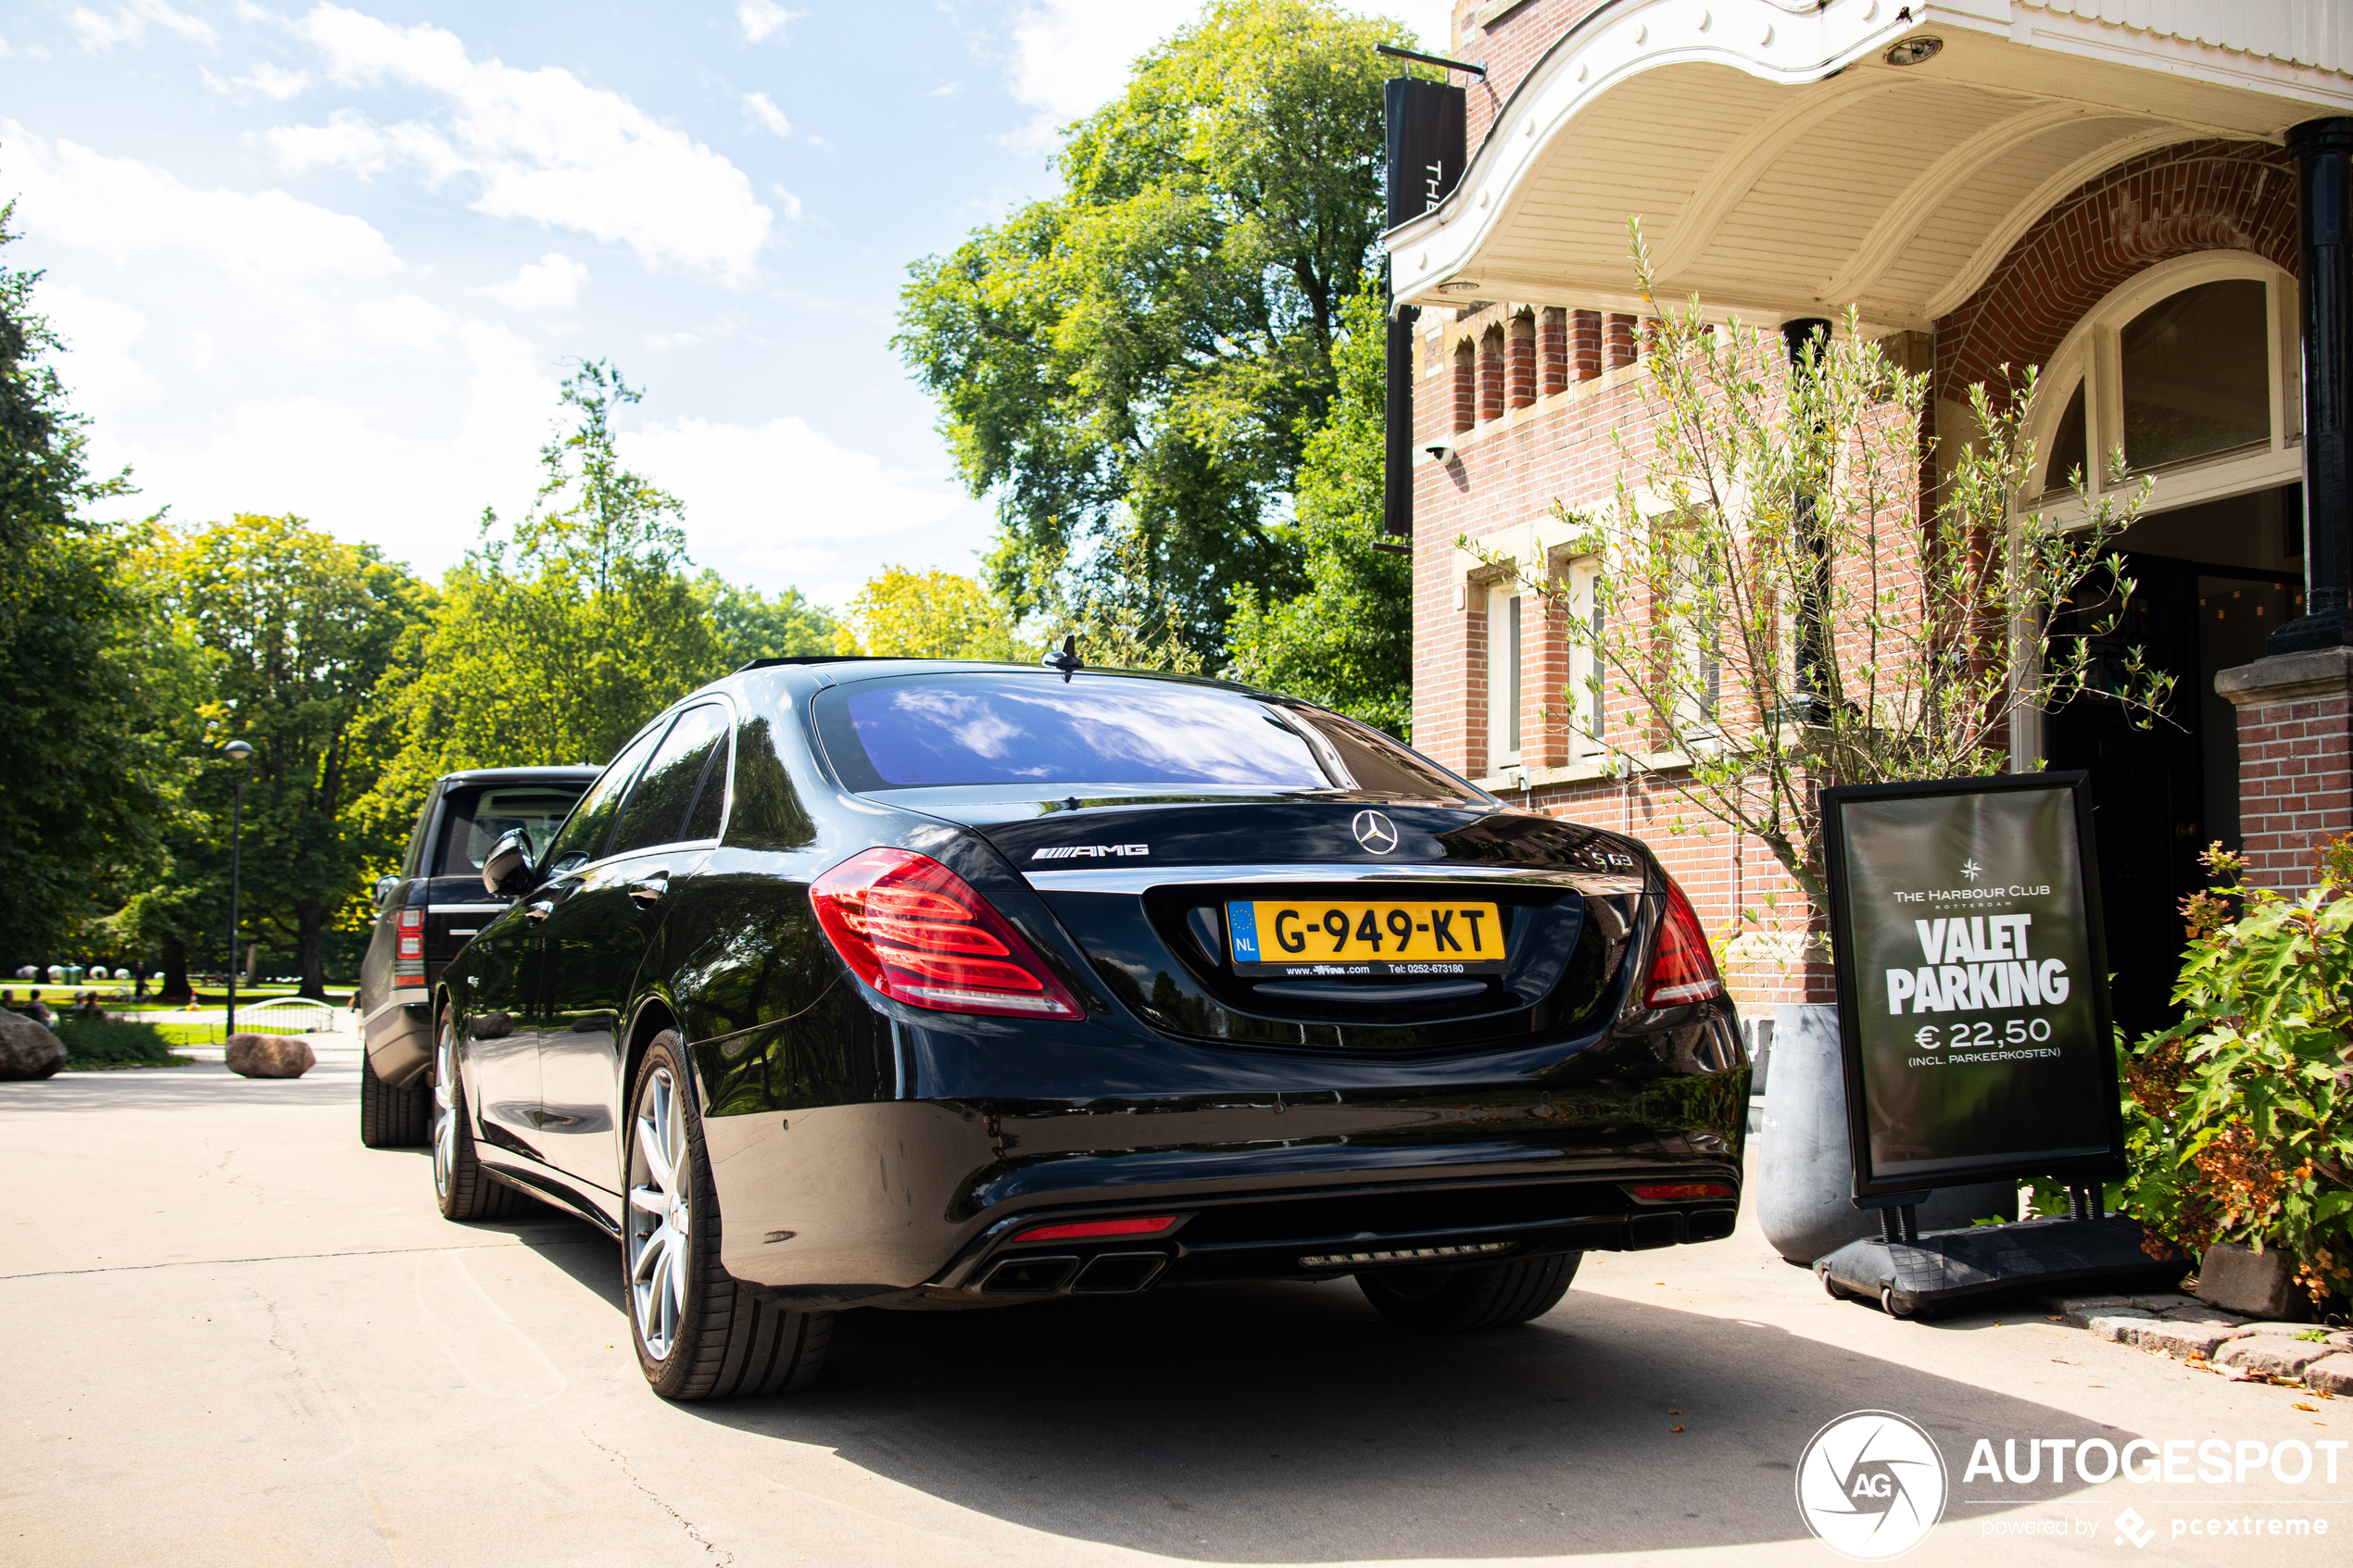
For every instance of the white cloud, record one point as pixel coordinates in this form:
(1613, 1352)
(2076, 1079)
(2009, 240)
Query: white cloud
(792, 202)
(761, 112)
(782, 503)
(761, 20)
(101, 365)
(126, 208)
(129, 24)
(537, 145)
(272, 80)
(552, 283)
(415, 489)
(1070, 58)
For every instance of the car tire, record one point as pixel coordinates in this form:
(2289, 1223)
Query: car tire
(1463, 1301)
(700, 1334)
(391, 1118)
(462, 1189)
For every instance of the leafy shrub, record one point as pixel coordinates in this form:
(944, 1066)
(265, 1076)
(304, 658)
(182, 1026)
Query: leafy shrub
(94, 1043)
(2241, 1116)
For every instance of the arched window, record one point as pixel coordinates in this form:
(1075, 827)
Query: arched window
(2191, 370)
(2195, 372)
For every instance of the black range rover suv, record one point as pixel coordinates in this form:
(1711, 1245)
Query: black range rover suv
(424, 913)
(898, 983)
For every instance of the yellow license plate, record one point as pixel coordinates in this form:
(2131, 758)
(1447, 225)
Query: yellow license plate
(1312, 937)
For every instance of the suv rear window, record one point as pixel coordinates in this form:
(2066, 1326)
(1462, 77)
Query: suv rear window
(477, 818)
(926, 732)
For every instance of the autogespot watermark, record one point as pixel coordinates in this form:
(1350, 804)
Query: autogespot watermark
(1872, 1485)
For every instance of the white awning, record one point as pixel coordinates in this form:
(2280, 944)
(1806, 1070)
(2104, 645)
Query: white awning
(1781, 166)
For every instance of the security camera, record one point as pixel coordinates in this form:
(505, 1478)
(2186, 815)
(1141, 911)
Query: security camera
(1440, 450)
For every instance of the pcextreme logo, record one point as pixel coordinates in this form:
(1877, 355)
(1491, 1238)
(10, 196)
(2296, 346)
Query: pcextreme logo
(1871, 1484)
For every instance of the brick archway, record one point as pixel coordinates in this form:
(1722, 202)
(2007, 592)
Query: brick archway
(2180, 200)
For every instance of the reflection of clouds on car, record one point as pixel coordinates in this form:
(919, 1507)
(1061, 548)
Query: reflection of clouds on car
(972, 730)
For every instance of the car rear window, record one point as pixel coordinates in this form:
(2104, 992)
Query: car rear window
(928, 731)
(477, 818)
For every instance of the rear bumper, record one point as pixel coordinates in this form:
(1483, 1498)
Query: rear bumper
(842, 1202)
(399, 1038)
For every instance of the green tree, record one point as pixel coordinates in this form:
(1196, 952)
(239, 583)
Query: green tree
(905, 614)
(555, 639)
(1149, 349)
(299, 630)
(751, 626)
(1348, 641)
(87, 781)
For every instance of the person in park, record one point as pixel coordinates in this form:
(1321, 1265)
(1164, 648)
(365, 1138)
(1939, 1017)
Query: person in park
(38, 1010)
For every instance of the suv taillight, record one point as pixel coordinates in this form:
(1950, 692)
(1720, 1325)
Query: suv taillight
(917, 933)
(1682, 969)
(408, 948)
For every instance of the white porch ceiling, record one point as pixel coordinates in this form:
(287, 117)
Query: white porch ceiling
(1780, 167)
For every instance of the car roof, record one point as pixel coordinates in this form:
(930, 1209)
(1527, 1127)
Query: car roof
(879, 666)
(553, 773)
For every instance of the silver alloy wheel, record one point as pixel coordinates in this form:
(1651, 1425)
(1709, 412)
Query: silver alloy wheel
(659, 1220)
(445, 1109)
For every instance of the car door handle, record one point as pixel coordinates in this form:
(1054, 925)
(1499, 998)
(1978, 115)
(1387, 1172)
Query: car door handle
(539, 910)
(651, 887)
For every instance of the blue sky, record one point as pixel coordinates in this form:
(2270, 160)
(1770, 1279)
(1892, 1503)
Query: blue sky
(334, 259)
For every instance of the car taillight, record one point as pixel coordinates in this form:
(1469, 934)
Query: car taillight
(1086, 1230)
(408, 948)
(1682, 969)
(917, 933)
(1678, 1192)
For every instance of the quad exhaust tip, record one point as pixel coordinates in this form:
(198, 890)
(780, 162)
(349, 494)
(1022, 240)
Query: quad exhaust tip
(1106, 1273)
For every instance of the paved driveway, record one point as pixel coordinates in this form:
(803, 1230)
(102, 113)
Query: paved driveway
(239, 1337)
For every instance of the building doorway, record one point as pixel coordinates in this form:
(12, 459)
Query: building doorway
(2212, 583)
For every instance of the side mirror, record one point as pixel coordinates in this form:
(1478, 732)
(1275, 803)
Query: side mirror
(507, 870)
(385, 885)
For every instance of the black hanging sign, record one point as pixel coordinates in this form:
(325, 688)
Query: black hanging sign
(1972, 989)
(1425, 145)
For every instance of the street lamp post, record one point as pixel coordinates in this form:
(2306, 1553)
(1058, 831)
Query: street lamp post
(238, 751)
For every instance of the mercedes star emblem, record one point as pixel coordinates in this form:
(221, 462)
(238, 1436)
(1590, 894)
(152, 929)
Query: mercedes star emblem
(1375, 831)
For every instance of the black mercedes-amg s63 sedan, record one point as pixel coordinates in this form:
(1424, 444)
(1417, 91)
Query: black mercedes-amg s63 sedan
(868, 982)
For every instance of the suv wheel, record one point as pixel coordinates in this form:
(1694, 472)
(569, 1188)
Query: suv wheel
(700, 1334)
(391, 1118)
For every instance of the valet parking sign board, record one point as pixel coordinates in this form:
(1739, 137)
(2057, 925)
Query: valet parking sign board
(1972, 982)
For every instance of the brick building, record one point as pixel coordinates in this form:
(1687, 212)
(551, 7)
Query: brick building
(2136, 196)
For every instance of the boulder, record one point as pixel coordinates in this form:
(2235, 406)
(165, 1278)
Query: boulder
(28, 1050)
(2254, 1285)
(269, 1055)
